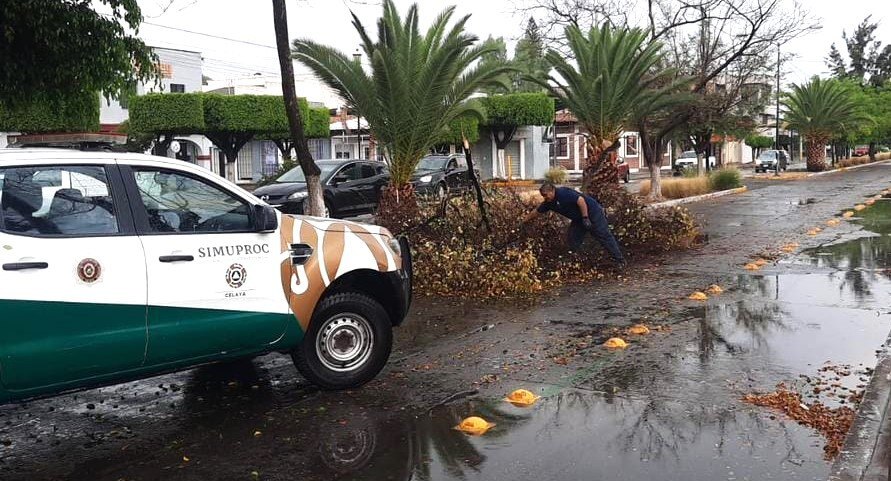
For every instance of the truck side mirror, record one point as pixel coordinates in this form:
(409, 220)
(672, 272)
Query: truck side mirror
(265, 218)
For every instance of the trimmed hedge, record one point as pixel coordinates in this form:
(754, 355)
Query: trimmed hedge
(167, 113)
(759, 141)
(317, 123)
(198, 113)
(78, 113)
(243, 113)
(519, 109)
(471, 129)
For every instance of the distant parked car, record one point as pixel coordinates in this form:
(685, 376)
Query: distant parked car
(687, 160)
(861, 150)
(351, 187)
(768, 160)
(437, 175)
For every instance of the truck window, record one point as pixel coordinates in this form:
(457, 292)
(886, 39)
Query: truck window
(57, 201)
(176, 203)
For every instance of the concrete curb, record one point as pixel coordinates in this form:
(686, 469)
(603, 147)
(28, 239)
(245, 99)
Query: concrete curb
(865, 454)
(845, 169)
(825, 172)
(698, 198)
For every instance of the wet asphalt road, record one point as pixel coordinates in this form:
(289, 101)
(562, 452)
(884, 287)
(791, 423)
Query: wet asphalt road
(667, 408)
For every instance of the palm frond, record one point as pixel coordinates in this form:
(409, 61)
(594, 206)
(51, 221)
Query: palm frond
(418, 82)
(821, 108)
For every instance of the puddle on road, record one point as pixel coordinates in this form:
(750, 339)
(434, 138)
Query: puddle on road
(677, 419)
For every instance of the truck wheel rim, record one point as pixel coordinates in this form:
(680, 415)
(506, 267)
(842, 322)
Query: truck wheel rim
(345, 342)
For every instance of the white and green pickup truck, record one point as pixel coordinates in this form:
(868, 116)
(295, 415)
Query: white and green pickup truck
(122, 266)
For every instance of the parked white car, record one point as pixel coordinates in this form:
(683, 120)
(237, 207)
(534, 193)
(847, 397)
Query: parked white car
(687, 160)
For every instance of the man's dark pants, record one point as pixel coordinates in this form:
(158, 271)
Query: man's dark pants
(599, 230)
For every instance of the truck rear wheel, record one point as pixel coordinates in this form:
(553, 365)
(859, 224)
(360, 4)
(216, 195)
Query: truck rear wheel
(347, 344)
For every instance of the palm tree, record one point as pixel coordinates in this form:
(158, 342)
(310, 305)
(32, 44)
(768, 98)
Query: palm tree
(418, 83)
(615, 76)
(820, 109)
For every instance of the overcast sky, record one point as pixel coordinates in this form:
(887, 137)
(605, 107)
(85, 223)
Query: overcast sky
(328, 21)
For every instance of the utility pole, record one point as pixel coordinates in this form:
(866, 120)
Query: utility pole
(776, 142)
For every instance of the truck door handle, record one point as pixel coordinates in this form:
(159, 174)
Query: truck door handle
(21, 266)
(177, 258)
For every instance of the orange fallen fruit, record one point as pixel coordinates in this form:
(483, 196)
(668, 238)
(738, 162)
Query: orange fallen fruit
(761, 263)
(751, 266)
(474, 425)
(870, 201)
(639, 329)
(814, 231)
(859, 207)
(848, 214)
(715, 289)
(522, 398)
(833, 222)
(698, 296)
(616, 343)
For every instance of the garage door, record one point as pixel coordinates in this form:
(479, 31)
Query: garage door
(512, 159)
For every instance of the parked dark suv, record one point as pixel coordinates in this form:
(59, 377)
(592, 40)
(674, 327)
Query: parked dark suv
(437, 175)
(352, 187)
(768, 160)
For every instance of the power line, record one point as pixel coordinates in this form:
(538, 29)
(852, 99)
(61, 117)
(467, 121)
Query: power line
(218, 37)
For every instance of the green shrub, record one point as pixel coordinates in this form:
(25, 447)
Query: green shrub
(556, 175)
(725, 179)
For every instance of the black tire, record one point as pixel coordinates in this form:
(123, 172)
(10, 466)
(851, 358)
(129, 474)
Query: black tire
(354, 315)
(441, 192)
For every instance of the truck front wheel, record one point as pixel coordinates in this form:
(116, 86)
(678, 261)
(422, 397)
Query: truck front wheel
(347, 344)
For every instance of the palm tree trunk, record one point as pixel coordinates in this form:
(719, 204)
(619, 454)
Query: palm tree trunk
(816, 155)
(601, 172)
(398, 209)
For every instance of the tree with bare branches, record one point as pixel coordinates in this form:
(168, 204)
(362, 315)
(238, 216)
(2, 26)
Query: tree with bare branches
(704, 40)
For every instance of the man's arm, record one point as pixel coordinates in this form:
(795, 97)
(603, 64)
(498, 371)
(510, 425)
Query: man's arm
(583, 206)
(531, 215)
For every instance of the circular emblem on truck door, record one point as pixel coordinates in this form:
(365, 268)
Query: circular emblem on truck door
(236, 275)
(89, 270)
